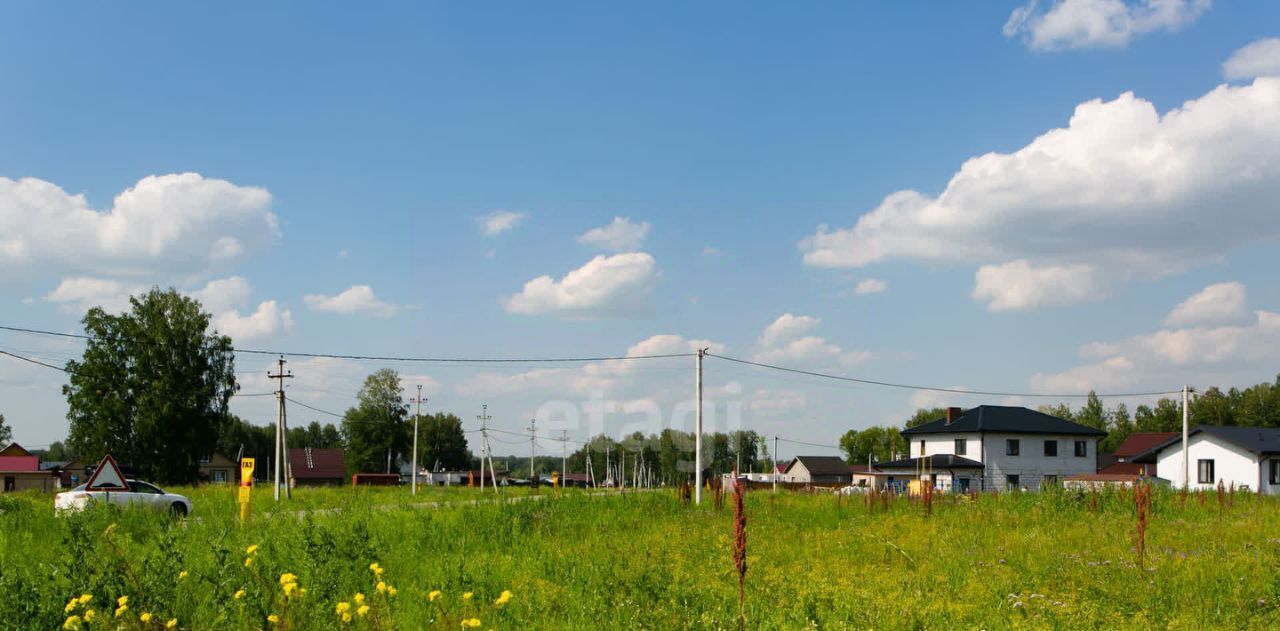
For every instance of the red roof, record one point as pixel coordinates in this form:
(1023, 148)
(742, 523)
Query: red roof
(860, 468)
(317, 464)
(1140, 442)
(1104, 477)
(1129, 468)
(15, 458)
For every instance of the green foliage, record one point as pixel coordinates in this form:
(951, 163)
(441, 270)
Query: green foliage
(377, 430)
(880, 443)
(925, 415)
(442, 444)
(644, 560)
(152, 387)
(6, 433)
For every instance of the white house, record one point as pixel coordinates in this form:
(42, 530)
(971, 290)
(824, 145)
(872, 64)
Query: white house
(1248, 457)
(995, 447)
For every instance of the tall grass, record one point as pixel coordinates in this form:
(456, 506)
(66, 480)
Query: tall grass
(647, 560)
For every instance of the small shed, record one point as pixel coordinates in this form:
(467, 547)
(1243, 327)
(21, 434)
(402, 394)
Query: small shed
(218, 469)
(313, 466)
(20, 470)
(819, 470)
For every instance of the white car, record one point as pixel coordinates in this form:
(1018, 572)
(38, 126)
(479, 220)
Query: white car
(140, 494)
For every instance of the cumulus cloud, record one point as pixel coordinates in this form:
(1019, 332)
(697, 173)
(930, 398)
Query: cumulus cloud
(870, 286)
(1259, 59)
(225, 297)
(783, 342)
(500, 221)
(1017, 285)
(617, 285)
(81, 293)
(182, 224)
(1177, 354)
(1215, 304)
(620, 235)
(356, 299)
(1067, 24)
(1121, 192)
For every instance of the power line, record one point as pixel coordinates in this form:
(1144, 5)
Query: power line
(440, 360)
(34, 361)
(313, 408)
(887, 384)
(801, 442)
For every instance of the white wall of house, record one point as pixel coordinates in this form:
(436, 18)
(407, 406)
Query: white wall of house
(798, 473)
(935, 444)
(1230, 464)
(1031, 465)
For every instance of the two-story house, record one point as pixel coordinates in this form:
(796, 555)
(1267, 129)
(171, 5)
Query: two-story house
(1012, 448)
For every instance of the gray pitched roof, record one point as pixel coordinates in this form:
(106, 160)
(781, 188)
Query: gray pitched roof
(1004, 419)
(824, 465)
(1259, 440)
(935, 461)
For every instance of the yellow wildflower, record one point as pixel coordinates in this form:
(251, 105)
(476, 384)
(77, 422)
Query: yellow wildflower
(171, 624)
(71, 623)
(273, 619)
(376, 569)
(472, 623)
(503, 597)
(89, 615)
(145, 617)
(359, 598)
(248, 561)
(467, 596)
(251, 549)
(363, 610)
(121, 609)
(346, 617)
(239, 594)
(290, 588)
(122, 601)
(71, 606)
(391, 591)
(381, 587)
(182, 575)
(288, 577)
(434, 595)
(85, 598)
(342, 607)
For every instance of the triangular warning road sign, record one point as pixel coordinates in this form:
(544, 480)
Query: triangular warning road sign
(107, 477)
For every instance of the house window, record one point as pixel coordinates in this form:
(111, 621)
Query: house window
(1051, 448)
(961, 446)
(1012, 482)
(1275, 471)
(1082, 449)
(922, 449)
(1050, 480)
(220, 476)
(1012, 446)
(1205, 469)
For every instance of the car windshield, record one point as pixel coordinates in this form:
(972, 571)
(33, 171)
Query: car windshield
(143, 487)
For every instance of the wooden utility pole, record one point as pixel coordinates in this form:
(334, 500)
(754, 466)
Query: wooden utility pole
(419, 401)
(282, 447)
(484, 445)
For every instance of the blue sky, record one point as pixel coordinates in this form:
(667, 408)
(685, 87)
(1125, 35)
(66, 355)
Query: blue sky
(378, 142)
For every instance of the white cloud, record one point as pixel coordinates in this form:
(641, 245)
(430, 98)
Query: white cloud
(79, 294)
(784, 342)
(356, 299)
(1121, 192)
(1169, 357)
(617, 285)
(870, 286)
(786, 328)
(1017, 285)
(223, 294)
(711, 251)
(925, 399)
(268, 321)
(1215, 304)
(1070, 24)
(620, 235)
(181, 224)
(500, 221)
(1258, 59)
(767, 402)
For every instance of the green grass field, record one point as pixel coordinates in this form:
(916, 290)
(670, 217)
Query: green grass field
(645, 561)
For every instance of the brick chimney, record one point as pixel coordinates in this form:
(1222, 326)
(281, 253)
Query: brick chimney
(953, 414)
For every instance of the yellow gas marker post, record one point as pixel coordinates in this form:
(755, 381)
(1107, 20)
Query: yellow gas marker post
(246, 486)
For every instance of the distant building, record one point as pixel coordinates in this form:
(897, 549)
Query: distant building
(1246, 457)
(20, 470)
(819, 470)
(312, 466)
(219, 469)
(1137, 454)
(1016, 447)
